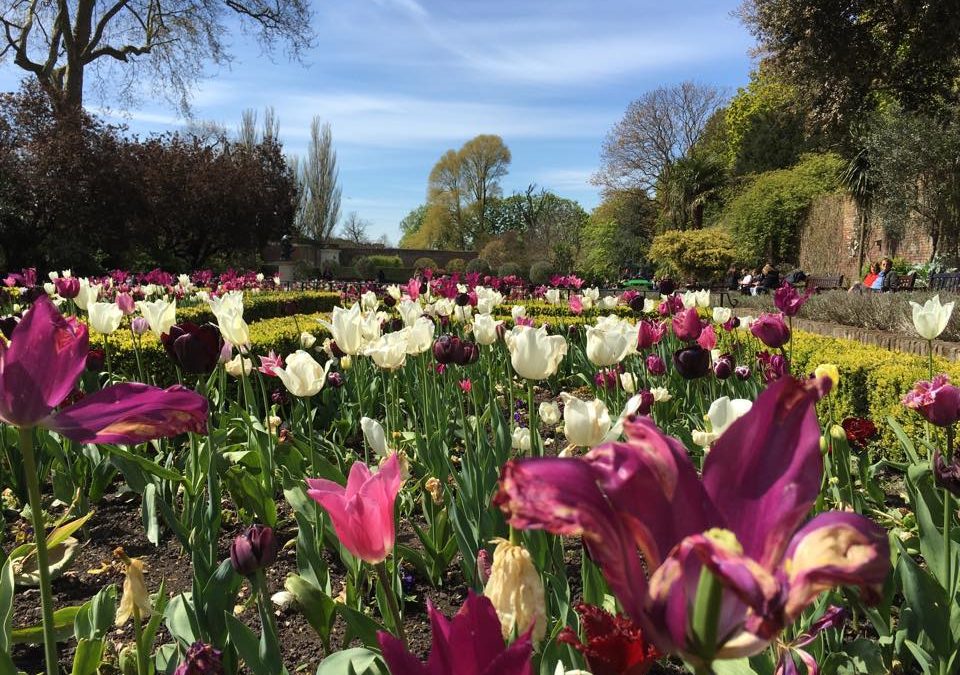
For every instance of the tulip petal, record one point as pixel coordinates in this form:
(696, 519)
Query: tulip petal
(399, 660)
(763, 473)
(835, 549)
(561, 496)
(654, 487)
(131, 413)
(46, 355)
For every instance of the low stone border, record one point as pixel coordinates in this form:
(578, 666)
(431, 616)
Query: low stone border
(879, 338)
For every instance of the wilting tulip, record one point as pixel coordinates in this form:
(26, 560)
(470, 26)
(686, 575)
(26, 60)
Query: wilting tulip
(346, 327)
(516, 591)
(254, 550)
(788, 301)
(613, 645)
(362, 512)
(469, 644)
(201, 659)
(930, 319)
(303, 376)
(610, 341)
(722, 413)
(771, 330)
(135, 598)
(160, 314)
(534, 354)
(692, 362)
(41, 364)
(67, 287)
(655, 365)
(937, 400)
(195, 349)
(104, 317)
(644, 513)
(687, 325)
(485, 329)
(549, 413)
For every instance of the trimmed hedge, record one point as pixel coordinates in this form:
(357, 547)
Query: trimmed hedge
(261, 306)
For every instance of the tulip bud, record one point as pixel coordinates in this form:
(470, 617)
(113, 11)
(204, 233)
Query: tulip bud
(692, 362)
(125, 303)
(253, 550)
(201, 659)
(655, 365)
(946, 476)
(516, 591)
(139, 325)
(346, 362)
(335, 379)
(771, 330)
(646, 402)
(483, 566)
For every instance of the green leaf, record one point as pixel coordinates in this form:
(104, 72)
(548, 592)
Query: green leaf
(159, 607)
(87, 657)
(905, 441)
(247, 646)
(96, 616)
(62, 624)
(150, 467)
(360, 660)
(6, 605)
(60, 534)
(926, 611)
(360, 625)
(317, 607)
(860, 657)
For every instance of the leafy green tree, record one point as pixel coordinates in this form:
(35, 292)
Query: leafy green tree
(411, 224)
(692, 183)
(694, 255)
(616, 236)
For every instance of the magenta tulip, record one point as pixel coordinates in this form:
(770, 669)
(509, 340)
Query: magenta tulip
(708, 338)
(362, 512)
(38, 369)
(771, 330)
(788, 301)
(687, 325)
(937, 400)
(125, 303)
(576, 304)
(649, 333)
(67, 287)
(469, 644)
(655, 365)
(653, 525)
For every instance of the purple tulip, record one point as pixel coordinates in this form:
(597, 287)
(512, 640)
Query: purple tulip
(469, 644)
(692, 362)
(335, 379)
(731, 323)
(254, 550)
(469, 352)
(946, 476)
(646, 402)
(937, 400)
(389, 300)
(125, 303)
(687, 325)
(655, 365)
(742, 372)
(195, 349)
(788, 300)
(462, 299)
(654, 525)
(649, 333)
(446, 349)
(771, 330)
(636, 302)
(41, 364)
(773, 366)
(201, 659)
(723, 367)
(67, 287)
(139, 325)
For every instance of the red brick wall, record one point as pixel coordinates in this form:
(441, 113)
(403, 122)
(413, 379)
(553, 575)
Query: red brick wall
(828, 240)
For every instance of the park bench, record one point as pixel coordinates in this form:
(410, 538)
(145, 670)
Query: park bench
(945, 281)
(907, 282)
(824, 283)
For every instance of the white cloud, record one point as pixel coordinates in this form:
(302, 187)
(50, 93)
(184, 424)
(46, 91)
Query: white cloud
(560, 180)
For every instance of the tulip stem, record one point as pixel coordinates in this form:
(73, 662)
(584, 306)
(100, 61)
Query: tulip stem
(40, 535)
(388, 590)
(947, 524)
(706, 614)
(142, 668)
(536, 449)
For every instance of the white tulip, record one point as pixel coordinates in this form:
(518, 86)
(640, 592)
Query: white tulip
(302, 375)
(53, 276)
(722, 413)
(375, 436)
(931, 318)
(371, 326)
(104, 317)
(409, 311)
(520, 439)
(585, 423)
(549, 413)
(485, 329)
(50, 288)
(722, 314)
(552, 296)
(230, 302)
(394, 292)
(661, 394)
(610, 341)
(160, 314)
(389, 351)
(443, 307)
(609, 302)
(234, 365)
(420, 336)
(233, 328)
(260, 277)
(628, 383)
(462, 314)
(89, 293)
(67, 273)
(184, 281)
(702, 298)
(592, 294)
(745, 321)
(518, 311)
(534, 354)
(345, 327)
(369, 301)
(649, 305)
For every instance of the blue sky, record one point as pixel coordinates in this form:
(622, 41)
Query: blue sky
(401, 81)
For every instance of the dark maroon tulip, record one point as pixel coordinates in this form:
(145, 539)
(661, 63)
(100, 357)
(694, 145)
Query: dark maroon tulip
(655, 365)
(731, 323)
(95, 360)
(393, 325)
(336, 351)
(447, 349)
(468, 353)
(463, 299)
(201, 659)
(667, 287)
(196, 349)
(692, 362)
(723, 368)
(335, 380)
(7, 324)
(742, 372)
(636, 303)
(389, 300)
(771, 330)
(946, 476)
(646, 402)
(67, 287)
(254, 550)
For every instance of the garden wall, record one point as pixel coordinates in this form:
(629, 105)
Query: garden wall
(828, 239)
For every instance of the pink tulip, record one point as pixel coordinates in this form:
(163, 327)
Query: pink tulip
(771, 330)
(687, 325)
(125, 303)
(708, 338)
(362, 512)
(38, 369)
(649, 333)
(937, 400)
(576, 304)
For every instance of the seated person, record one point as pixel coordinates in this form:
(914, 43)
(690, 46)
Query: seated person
(732, 280)
(747, 281)
(769, 280)
(886, 280)
(868, 280)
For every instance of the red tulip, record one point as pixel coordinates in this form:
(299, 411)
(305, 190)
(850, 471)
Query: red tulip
(362, 512)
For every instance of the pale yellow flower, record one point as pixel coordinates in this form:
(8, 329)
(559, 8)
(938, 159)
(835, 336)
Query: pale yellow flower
(516, 591)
